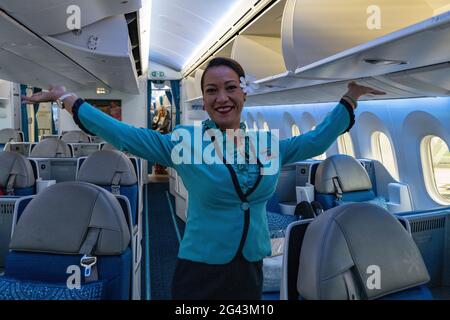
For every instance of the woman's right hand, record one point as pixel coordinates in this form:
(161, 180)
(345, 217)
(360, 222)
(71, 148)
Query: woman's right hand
(53, 93)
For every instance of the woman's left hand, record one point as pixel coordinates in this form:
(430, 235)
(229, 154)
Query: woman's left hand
(355, 91)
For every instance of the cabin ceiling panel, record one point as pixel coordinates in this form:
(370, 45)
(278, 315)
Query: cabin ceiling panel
(180, 26)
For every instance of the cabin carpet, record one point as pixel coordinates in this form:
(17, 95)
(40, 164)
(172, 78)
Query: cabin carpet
(163, 241)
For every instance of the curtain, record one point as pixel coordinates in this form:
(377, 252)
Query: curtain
(175, 85)
(36, 110)
(24, 114)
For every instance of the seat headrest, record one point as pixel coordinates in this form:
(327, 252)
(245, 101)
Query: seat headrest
(108, 146)
(352, 175)
(10, 135)
(352, 238)
(75, 137)
(101, 168)
(15, 163)
(51, 148)
(57, 221)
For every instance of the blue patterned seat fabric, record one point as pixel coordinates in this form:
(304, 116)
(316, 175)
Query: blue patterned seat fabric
(12, 289)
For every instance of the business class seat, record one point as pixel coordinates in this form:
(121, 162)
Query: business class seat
(51, 148)
(360, 251)
(113, 171)
(9, 135)
(341, 179)
(16, 179)
(58, 235)
(75, 137)
(16, 175)
(107, 146)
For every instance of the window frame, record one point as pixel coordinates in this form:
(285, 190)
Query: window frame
(343, 146)
(378, 154)
(428, 171)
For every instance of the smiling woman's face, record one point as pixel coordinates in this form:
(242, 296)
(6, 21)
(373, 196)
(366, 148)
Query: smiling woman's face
(223, 97)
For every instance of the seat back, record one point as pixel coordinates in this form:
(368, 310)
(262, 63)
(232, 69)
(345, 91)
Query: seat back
(55, 230)
(16, 174)
(342, 178)
(84, 149)
(16, 179)
(10, 135)
(51, 148)
(20, 147)
(358, 251)
(76, 136)
(107, 146)
(113, 171)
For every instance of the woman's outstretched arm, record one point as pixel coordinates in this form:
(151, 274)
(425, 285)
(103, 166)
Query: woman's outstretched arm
(144, 143)
(317, 141)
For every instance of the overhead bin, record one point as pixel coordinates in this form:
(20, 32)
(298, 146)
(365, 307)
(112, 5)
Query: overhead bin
(43, 50)
(260, 56)
(316, 29)
(412, 62)
(104, 49)
(49, 17)
(34, 62)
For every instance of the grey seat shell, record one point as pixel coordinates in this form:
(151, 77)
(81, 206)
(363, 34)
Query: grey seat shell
(10, 135)
(58, 219)
(75, 137)
(347, 241)
(13, 163)
(51, 148)
(352, 175)
(102, 168)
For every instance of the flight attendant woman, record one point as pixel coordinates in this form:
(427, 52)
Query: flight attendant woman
(226, 235)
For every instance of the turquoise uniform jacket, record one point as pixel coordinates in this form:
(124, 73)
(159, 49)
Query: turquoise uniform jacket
(215, 220)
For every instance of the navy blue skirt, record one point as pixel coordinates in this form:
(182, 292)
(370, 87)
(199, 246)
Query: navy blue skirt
(237, 280)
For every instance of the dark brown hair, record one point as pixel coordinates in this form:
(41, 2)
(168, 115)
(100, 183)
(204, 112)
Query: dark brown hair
(221, 61)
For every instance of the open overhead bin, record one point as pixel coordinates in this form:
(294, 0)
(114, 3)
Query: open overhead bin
(103, 50)
(316, 29)
(412, 62)
(258, 47)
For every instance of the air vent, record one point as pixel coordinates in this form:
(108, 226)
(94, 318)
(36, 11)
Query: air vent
(429, 224)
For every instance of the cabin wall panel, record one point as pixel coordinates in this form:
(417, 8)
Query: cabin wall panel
(133, 106)
(404, 121)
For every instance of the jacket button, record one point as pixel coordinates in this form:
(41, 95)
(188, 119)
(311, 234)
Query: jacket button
(245, 206)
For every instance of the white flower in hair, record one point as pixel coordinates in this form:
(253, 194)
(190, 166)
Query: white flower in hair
(248, 84)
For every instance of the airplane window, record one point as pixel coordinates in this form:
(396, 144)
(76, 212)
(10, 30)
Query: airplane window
(345, 144)
(295, 130)
(436, 168)
(322, 156)
(265, 126)
(382, 151)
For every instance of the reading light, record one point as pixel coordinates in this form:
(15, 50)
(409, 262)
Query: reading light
(102, 90)
(385, 62)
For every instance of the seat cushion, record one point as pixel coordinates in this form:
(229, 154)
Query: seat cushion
(12, 289)
(52, 268)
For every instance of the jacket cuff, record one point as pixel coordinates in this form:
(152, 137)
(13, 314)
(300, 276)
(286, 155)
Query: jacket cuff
(75, 108)
(351, 114)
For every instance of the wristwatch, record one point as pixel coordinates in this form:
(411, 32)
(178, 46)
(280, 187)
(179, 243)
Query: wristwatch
(60, 100)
